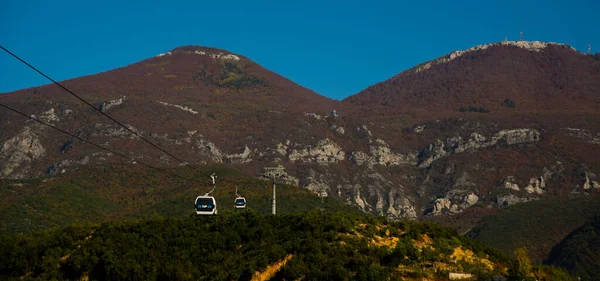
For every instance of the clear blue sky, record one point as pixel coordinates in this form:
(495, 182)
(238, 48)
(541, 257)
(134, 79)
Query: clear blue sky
(335, 48)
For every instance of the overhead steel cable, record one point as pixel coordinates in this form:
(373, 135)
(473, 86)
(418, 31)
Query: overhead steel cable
(95, 108)
(96, 145)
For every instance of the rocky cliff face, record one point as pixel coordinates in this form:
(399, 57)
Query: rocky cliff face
(19, 152)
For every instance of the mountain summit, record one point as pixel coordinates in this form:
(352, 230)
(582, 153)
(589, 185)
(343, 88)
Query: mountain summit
(536, 76)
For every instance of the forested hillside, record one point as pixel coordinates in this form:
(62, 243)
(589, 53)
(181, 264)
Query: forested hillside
(579, 253)
(249, 246)
(538, 225)
(101, 193)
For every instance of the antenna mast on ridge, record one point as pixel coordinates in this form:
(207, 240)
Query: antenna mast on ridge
(589, 49)
(521, 36)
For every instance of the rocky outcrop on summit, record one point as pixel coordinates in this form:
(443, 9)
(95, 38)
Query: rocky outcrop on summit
(528, 45)
(454, 145)
(19, 152)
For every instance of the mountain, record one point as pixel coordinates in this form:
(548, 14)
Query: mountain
(467, 134)
(534, 76)
(579, 252)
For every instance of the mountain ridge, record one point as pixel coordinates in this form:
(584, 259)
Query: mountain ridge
(440, 77)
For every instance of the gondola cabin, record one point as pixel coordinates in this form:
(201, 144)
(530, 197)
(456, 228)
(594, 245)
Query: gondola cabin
(205, 205)
(240, 203)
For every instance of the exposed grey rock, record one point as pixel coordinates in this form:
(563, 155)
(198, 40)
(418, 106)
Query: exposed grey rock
(313, 115)
(383, 155)
(583, 134)
(440, 205)
(184, 108)
(364, 131)
(317, 183)
(433, 152)
(115, 131)
(361, 158)
(453, 145)
(587, 184)
(419, 128)
(510, 199)
(241, 158)
(325, 152)
(511, 183)
(49, 116)
(469, 200)
(359, 201)
(516, 136)
(209, 149)
(339, 130)
(399, 206)
(535, 185)
(19, 152)
(106, 105)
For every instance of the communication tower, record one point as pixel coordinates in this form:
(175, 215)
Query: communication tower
(589, 49)
(521, 36)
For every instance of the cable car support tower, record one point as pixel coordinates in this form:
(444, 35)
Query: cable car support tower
(274, 173)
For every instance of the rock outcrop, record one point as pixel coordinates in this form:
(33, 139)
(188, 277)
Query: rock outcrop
(112, 103)
(324, 153)
(510, 183)
(19, 152)
(454, 145)
(511, 199)
(536, 185)
(241, 158)
(529, 45)
(456, 204)
(381, 154)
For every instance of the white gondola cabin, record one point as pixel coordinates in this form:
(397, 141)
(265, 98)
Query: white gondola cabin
(206, 205)
(240, 203)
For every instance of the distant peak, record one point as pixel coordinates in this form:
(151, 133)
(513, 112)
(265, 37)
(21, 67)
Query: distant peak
(202, 51)
(529, 45)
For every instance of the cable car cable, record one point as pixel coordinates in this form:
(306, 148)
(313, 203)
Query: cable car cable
(96, 145)
(96, 109)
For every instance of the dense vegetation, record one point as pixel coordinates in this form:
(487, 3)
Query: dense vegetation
(539, 225)
(101, 193)
(579, 253)
(240, 245)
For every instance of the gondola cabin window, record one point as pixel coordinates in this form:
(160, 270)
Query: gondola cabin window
(206, 205)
